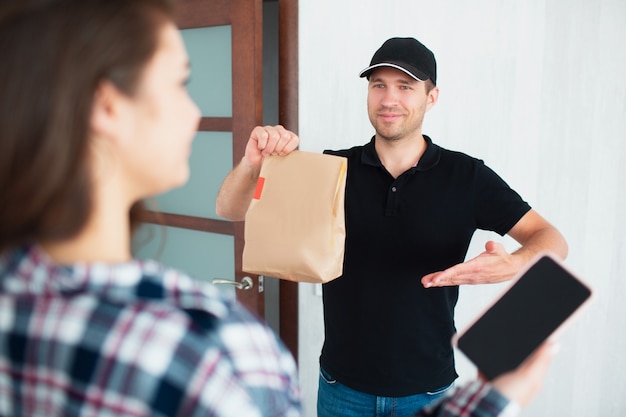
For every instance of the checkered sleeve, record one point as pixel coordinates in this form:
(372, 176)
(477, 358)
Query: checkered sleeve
(476, 399)
(250, 374)
(133, 340)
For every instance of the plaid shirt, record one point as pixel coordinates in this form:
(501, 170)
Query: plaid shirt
(476, 399)
(132, 339)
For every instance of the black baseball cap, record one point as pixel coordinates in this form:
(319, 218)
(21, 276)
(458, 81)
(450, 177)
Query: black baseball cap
(406, 54)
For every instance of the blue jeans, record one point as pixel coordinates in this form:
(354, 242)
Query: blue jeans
(336, 400)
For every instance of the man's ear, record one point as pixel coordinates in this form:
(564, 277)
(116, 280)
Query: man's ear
(433, 96)
(109, 113)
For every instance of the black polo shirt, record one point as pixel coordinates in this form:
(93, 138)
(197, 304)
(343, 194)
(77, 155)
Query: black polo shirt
(385, 334)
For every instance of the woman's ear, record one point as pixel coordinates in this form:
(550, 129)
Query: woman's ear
(110, 115)
(111, 128)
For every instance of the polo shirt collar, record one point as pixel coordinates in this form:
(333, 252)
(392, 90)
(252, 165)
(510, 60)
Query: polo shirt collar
(427, 161)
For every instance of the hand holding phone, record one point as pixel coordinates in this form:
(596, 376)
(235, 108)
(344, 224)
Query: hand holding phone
(541, 300)
(525, 382)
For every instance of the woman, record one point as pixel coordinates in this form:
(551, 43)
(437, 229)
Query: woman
(95, 117)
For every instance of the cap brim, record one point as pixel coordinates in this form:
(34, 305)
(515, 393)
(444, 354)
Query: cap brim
(419, 76)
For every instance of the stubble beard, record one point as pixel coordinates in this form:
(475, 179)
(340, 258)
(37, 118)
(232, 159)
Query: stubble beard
(386, 132)
(390, 133)
(388, 136)
(395, 132)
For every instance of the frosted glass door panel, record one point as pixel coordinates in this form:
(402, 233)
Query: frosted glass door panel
(204, 256)
(210, 54)
(210, 161)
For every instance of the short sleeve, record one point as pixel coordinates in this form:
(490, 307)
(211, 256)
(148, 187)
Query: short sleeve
(498, 206)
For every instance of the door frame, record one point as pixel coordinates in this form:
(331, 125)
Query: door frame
(288, 117)
(246, 20)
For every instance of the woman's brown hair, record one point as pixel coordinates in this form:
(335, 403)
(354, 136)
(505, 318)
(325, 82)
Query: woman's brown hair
(55, 54)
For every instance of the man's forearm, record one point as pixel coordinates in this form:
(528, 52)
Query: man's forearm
(535, 234)
(236, 192)
(546, 239)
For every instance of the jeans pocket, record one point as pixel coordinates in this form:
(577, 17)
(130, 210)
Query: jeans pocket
(326, 376)
(440, 391)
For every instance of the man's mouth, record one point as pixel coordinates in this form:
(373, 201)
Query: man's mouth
(389, 117)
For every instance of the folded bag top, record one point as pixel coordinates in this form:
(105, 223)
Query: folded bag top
(295, 226)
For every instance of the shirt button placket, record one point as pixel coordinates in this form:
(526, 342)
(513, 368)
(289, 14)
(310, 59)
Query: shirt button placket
(392, 201)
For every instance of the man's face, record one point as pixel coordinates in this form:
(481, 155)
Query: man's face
(396, 104)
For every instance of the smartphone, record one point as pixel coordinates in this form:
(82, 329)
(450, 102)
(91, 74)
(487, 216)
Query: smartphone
(543, 297)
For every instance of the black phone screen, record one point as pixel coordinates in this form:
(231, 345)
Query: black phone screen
(523, 318)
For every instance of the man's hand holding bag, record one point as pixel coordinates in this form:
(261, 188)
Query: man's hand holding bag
(295, 226)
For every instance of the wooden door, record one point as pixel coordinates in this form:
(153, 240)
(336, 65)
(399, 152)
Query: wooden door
(224, 42)
(224, 39)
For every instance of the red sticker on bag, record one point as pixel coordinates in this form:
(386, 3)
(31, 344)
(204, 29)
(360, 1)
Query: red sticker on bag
(259, 188)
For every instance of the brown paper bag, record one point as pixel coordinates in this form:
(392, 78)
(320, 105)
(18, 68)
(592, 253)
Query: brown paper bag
(295, 227)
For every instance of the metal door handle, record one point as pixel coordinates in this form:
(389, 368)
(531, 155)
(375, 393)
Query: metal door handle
(245, 284)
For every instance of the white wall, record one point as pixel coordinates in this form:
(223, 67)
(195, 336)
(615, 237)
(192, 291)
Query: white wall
(536, 89)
